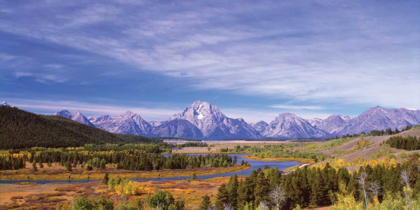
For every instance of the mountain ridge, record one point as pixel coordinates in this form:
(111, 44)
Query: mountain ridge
(203, 120)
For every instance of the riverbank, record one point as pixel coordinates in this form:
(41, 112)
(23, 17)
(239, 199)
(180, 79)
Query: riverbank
(280, 159)
(99, 174)
(303, 161)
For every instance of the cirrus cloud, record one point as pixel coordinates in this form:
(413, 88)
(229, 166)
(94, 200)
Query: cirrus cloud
(354, 52)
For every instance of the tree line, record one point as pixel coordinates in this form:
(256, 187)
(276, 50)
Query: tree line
(10, 162)
(192, 144)
(406, 143)
(145, 147)
(129, 160)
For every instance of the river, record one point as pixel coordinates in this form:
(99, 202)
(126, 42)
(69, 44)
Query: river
(255, 164)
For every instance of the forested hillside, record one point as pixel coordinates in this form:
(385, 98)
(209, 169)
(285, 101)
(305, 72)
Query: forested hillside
(21, 129)
(373, 187)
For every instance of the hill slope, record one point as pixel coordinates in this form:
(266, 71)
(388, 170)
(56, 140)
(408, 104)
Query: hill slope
(350, 153)
(21, 129)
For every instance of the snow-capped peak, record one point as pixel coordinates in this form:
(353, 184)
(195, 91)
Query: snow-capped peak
(346, 118)
(4, 103)
(315, 121)
(198, 104)
(288, 125)
(127, 114)
(213, 123)
(91, 118)
(377, 108)
(76, 114)
(64, 113)
(286, 115)
(103, 118)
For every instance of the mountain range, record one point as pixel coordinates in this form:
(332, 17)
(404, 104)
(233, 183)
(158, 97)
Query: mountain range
(202, 120)
(21, 129)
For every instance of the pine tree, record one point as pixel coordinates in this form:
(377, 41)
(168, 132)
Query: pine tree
(262, 190)
(106, 178)
(34, 168)
(222, 197)
(242, 195)
(68, 166)
(232, 189)
(205, 203)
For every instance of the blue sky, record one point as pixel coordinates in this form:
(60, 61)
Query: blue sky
(253, 60)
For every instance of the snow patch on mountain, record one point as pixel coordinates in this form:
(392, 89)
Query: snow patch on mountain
(4, 103)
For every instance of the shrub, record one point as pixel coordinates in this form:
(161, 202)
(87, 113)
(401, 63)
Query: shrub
(165, 201)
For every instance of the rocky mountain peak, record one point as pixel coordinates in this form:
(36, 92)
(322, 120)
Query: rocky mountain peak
(4, 103)
(77, 116)
(103, 118)
(127, 114)
(260, 126)
(376, 109)
(200, 111)
(64, 113)
(315, 121)
(287, 117)
(288, 125)
(213, 123)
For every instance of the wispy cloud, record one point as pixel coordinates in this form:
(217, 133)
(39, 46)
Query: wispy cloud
(353, 52)
(295, 107)
(41, 77)
(54, 66)
(9, 61)
(50, 107)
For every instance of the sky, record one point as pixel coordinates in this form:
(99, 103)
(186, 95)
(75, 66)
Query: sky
(253, 60)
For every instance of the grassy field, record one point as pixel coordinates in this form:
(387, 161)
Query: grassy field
(37, 196)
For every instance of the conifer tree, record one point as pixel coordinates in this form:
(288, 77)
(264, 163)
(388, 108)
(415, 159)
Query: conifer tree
(242, 195)
(232, 189)
(68, 166)
(205, 203)
(222, 197)
(262, 190)
(106, 178)
(34, 168)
